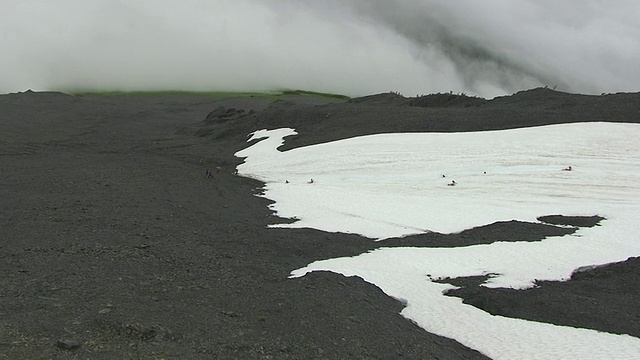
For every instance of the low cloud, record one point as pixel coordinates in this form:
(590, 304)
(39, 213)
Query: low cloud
(353, 47)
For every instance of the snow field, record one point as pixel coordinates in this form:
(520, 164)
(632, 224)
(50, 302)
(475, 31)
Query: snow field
(391, 185)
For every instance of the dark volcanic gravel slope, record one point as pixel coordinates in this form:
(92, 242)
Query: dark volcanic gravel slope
(339, 120)
(600, 299)
(113, 238)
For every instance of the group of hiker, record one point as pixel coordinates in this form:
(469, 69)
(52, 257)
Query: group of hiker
(454, 183)
(209, 174)
(308, 182)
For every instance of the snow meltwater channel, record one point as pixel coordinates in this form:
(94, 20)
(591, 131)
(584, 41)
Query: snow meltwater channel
(391, 185)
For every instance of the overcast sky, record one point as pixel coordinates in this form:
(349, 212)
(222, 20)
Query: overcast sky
(353, 47)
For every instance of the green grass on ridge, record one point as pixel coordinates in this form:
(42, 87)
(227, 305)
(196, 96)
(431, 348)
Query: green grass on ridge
(216, 94)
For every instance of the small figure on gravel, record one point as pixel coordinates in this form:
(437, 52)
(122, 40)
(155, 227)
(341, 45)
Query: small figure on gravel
(208, 174)
(218, 168)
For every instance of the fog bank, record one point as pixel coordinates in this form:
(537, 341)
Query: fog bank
(351, 47)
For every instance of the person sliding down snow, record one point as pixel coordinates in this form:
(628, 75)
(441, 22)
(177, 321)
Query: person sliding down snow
(452, 183)
(568, 168)
(311, 181)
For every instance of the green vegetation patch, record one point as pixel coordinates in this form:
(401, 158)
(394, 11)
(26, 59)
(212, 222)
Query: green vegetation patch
(314, 93)
(216, 94)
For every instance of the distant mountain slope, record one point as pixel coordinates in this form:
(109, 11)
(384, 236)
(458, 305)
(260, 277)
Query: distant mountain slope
(390, 112)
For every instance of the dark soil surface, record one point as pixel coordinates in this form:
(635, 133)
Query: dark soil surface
(602, 297)
(581, 221)
(115, 245)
